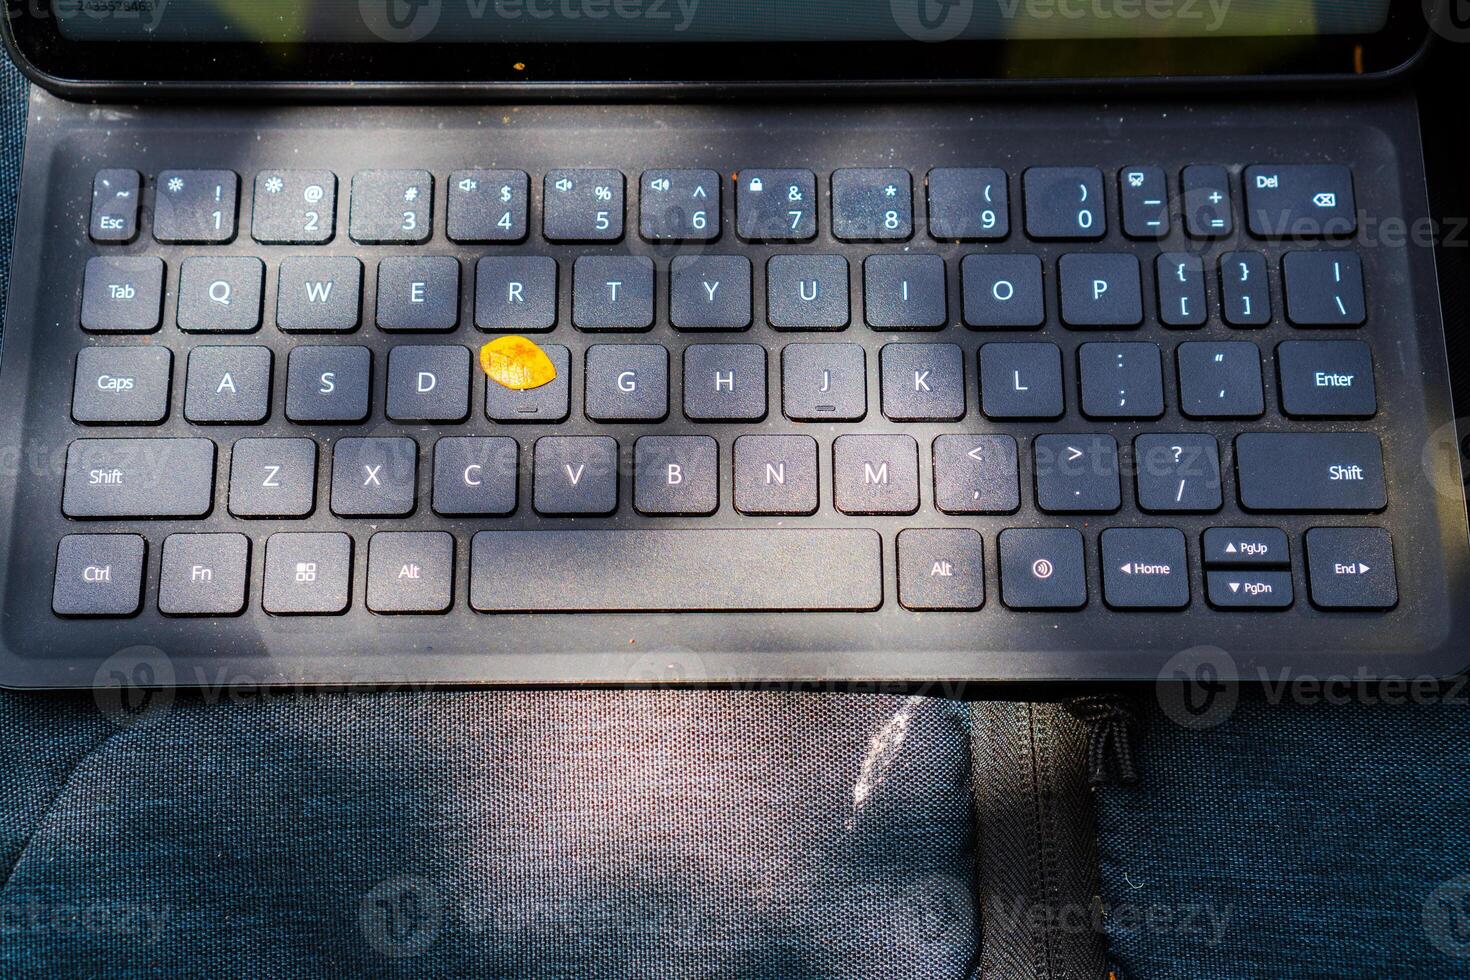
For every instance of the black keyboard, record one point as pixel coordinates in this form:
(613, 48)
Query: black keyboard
(840, 394)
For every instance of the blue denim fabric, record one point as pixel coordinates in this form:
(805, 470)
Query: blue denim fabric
(504, 834)
(1294, 840)
(13, 92)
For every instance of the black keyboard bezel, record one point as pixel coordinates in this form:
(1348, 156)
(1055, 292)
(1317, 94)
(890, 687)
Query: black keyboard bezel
(1377, 138)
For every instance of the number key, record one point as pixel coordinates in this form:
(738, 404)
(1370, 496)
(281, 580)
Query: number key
(776, 205)
(391, 206)
(680, 205)
(196, 206)
(1064, 203)
(583, 206)
(968, 203)
(294, 207)
(488, 205)
(872, 205)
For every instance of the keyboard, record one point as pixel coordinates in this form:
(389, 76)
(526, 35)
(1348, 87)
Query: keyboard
(841, 394)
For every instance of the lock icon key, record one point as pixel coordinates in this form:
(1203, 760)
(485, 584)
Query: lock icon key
(756, 185)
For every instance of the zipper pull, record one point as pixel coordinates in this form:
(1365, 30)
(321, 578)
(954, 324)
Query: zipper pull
(1111, 720)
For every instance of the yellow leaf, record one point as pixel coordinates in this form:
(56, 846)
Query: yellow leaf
(517, 363)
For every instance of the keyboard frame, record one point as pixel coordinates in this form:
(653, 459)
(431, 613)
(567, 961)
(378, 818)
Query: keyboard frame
(1376, 136)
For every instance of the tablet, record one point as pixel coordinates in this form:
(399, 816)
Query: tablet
(672, 46)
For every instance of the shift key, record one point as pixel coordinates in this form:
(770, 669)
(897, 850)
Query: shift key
(138, 478)
(1310, 472)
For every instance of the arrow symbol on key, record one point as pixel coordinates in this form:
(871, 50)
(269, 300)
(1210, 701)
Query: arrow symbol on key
(1073, 453)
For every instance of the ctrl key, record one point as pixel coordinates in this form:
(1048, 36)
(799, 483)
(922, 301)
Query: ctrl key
(99, 575)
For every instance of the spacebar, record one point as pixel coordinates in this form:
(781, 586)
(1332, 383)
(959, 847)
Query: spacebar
(747, 570)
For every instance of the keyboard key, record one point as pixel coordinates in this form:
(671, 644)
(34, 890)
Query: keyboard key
(1248, 589)
(429, 384)
(670, 570)
(220, 293)
(1311, 472)
(1021, 381)
(969, 204)
(488, 206)
(1220, 380)
(228, 384)
(307, 573)
(391, 206)
(976, 474)
(1042, 568)
(1351, 568)
(575, 475)
(1300, 200)
(196, 206)
(583, 206)
(319, 294)
(824, 381)
(627, 383)
(1077, 474)
(1245, 293)
(1121, 380)
(872, 205)
(680, 206)
(273, 478)
(1181, 284)
(410, 572)
(138, 478)
(1002, 290)
(475, 476)
(117, 385)
(1207, 207)
(375, 477)
(612, 292)
(1178, 472)
(1144, 568)
(1323, 289)
(941, 568)
(709, 292)
(115, 197)
(1064, 203)
(418, 292)
(776, 475)
(676, 475)
(1144, 196)
(204, 575)
(294, 207)
(776, 205)
(329, 384)
(807, 292)
(1260, 547)
(904, 291)
(516, 293)
(549, 403)
(725, 382)
(99, 575)
(1100, 289)
(1326, 379)
(875, 474)
(122, 294)
(923, 382)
